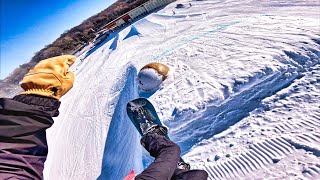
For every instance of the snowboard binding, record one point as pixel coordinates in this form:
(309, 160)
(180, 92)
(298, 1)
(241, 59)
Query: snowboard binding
(183, 165)
(144, 117)
(152, 128)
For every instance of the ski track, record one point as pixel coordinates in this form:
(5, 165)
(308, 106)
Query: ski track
(289, 142)
(215, 119)
(242, 98)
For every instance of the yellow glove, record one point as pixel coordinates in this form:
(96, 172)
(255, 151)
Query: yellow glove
(50, 77)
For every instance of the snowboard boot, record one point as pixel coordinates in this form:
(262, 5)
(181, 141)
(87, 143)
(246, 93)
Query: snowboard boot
(152, 128)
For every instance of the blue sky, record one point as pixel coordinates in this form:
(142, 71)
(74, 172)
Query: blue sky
(29, 25)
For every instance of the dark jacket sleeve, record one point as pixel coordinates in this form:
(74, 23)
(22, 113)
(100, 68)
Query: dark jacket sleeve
(181, 174)
(167, 155)
(23, 143)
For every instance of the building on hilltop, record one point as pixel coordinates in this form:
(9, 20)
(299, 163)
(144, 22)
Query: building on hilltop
(135, 13)
(127, 18)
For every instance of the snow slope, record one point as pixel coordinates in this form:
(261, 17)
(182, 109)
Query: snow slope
(242, 98)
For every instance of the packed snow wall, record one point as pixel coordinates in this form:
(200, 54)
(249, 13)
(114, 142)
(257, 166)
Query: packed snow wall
(122, 148)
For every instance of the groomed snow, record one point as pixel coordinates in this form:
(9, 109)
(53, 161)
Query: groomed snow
(242, 98)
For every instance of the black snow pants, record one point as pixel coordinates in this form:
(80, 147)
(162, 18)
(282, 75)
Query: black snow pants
(23, 143)
(167, 155)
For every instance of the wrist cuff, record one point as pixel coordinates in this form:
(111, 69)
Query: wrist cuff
(44, 103)
(41, 92)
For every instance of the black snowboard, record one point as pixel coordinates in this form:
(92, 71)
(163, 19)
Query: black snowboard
(141, 110)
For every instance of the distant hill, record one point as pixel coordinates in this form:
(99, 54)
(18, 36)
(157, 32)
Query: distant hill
(72, 39)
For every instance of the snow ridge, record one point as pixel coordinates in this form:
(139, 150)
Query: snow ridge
(123, 141)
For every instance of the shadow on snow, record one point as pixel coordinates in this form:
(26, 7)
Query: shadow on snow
(122, 151)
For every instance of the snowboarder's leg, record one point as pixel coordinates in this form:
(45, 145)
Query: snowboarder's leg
(167, 155)
(181, 174)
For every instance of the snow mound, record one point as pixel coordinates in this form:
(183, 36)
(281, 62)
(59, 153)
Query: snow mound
(133, 32)
(280, 136)
(147, 26)
(115, 43)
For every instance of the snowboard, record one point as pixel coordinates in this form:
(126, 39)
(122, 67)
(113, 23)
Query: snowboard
(141, 110)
